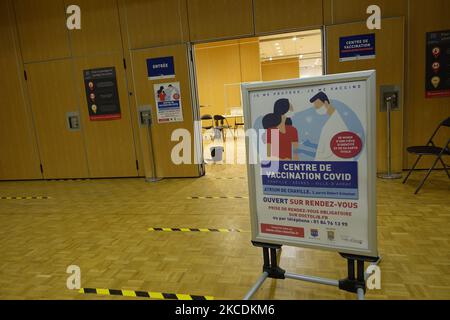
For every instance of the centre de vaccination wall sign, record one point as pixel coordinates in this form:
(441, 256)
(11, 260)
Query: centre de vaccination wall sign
(313, 184)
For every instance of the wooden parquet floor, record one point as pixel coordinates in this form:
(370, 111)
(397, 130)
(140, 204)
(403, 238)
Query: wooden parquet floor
(102, 226)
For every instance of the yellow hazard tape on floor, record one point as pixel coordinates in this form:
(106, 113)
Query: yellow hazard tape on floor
(144, 294)
(215, 198)
(195, 230)
(62, 180)
(25, 198)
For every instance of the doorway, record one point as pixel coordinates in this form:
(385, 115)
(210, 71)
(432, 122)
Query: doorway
(221, 67)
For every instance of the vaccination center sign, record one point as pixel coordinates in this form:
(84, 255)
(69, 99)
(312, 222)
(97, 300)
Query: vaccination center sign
(313, 184)
(357, 47)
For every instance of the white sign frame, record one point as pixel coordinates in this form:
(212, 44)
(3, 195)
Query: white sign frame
(370, 78)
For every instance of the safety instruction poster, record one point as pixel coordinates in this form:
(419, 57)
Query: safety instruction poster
(168, 102)
(438, 64)
(311, 183)
(102, 94)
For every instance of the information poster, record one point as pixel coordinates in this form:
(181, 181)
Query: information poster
(357, 47)
(102, 94)
(438, 64)
(314, 183)
(160, 68)
(168, 102)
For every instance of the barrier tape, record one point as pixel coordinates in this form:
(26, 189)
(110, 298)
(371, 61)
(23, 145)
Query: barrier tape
(144, 294)
(25, 198)
(61, 180)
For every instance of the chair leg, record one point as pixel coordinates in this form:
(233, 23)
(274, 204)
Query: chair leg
(445, 167)
(412, 169)
(428, 174)
(232, 132)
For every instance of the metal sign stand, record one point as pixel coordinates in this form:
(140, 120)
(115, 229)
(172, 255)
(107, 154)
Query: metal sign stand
(389, 175)
(146, 119)
(353, 283)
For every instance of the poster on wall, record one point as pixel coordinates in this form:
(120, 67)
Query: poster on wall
(357, 47)
(168, 102)
(437, 82)
(102, 94)
(312, 182)
(160, 68)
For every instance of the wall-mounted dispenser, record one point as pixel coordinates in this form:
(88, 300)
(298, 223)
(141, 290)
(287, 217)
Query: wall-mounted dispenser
(145, 117)
(390, 94)
(73, 121)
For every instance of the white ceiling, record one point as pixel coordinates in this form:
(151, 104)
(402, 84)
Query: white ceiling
(305, 45)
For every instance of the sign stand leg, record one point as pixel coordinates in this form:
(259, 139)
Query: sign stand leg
(353, 283)
(270, 267)
(153, 178)
(256, 287)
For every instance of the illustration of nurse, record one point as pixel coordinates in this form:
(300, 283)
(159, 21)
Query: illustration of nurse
(333, 126)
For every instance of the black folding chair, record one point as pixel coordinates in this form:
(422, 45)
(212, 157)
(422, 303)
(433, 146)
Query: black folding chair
(207, 126)
(221, 125)
(431, 150)
(238, 123)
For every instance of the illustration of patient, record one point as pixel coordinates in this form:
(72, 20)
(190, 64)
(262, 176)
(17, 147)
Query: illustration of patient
(282, 136)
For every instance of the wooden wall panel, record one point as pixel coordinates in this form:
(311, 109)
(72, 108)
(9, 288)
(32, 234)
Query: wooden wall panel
(109, 144)
(42, 29)
(100, 28)
(389, 64)
(144, 95)
(52, 95)
(423, 115)
(203, 81)
(218, 19)
(218, 73)
(280, 69)
(130, 84)
(18, 150)
(155, 23)
(43, 36)
(221, 68)
(345, 11)
(281, 15)
(250, 60)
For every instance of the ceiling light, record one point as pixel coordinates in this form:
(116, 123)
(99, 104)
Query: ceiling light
(294, 38)
(270, 59)
(277, 44)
